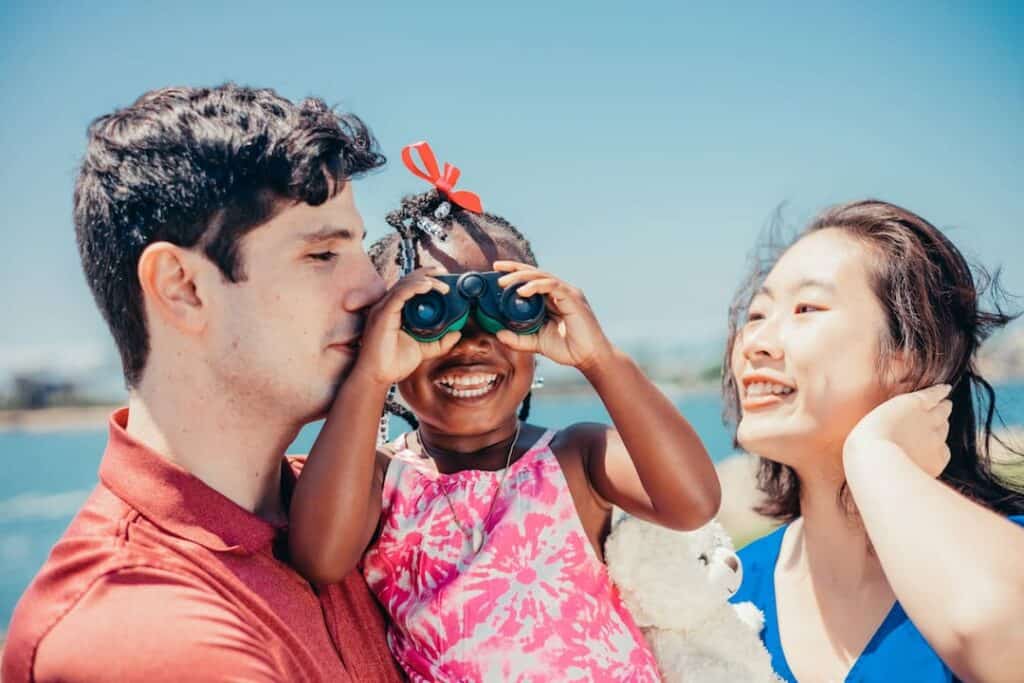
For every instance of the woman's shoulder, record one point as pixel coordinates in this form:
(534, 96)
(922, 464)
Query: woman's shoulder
(758, 561)
(763, 549)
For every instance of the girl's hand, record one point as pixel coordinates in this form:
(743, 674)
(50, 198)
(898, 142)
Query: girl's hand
(571, 335)
(917, 423)
(387, 354)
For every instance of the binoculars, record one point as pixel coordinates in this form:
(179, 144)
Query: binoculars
(428, 317)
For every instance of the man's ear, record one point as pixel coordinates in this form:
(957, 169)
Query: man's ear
(168, 276)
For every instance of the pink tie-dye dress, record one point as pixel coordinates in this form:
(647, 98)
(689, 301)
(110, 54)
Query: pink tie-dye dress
(535, 604)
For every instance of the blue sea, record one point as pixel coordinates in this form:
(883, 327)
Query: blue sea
(48, 475)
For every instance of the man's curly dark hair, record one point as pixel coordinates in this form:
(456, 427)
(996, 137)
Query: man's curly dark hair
(200, 167)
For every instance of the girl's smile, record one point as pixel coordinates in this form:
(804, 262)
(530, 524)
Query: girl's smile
(471, 381)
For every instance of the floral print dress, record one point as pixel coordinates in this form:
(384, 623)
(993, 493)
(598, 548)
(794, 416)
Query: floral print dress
(534, 604)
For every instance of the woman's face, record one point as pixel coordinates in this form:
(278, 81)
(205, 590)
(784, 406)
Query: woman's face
(478, 387)
(806, 362)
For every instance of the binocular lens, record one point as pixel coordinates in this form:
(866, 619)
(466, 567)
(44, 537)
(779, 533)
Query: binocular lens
(426, 311)
(521, 313)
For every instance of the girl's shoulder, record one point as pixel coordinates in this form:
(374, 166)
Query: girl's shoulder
(582, 437)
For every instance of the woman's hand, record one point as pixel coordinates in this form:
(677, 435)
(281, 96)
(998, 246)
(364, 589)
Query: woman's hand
(571, 335)
(387, 354)
(917, 423)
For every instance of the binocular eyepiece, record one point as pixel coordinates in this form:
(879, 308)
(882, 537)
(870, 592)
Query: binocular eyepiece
(430, 316)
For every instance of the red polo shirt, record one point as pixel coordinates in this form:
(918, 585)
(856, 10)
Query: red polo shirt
(161, 578)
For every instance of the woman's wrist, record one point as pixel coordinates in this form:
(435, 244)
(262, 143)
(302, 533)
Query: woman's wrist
(870, 455)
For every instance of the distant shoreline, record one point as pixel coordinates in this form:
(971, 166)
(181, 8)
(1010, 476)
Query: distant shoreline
(60, 419)
(76, 418)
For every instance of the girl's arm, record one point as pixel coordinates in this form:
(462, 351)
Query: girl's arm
(955, 566)
(653, 464)
(336, 504)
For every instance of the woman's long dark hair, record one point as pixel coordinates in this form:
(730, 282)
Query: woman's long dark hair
(935, 320)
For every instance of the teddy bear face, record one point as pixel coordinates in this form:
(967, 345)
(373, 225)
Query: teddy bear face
(672, 579)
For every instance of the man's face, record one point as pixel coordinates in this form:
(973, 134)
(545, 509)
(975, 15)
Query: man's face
(282, 339)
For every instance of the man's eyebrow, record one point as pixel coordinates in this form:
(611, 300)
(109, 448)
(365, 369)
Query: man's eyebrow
(331, 232)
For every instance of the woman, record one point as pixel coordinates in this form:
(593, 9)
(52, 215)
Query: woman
(853, 378)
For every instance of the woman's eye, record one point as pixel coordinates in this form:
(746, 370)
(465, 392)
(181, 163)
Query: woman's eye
(751, 317)
(807, 308)
(323, 256)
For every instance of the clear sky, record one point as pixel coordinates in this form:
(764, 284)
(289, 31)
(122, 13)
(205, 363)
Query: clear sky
(641, 145)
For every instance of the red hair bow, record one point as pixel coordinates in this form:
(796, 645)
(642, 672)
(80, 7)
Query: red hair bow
(444, 182)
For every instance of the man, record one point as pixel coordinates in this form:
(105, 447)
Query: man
(219, 234)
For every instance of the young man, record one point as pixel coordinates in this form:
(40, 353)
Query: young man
(219, 234)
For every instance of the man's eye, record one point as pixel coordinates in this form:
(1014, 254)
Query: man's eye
(323, 256)
(755, 316)
(807, 308)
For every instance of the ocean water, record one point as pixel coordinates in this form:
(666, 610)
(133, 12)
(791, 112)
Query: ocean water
(48, 475)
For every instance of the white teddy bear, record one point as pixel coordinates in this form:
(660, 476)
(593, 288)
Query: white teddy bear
(676, 585)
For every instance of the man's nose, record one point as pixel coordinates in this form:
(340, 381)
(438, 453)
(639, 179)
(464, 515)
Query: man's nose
(366, 288)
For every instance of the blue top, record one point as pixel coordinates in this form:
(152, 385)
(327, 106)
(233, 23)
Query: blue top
(896, 652)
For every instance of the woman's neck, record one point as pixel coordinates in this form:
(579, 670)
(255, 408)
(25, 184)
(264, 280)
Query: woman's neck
(828, 541)
(489, 450)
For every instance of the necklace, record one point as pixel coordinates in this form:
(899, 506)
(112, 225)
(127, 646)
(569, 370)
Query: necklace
(476, 536)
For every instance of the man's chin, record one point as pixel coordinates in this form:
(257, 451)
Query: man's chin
(321, 407)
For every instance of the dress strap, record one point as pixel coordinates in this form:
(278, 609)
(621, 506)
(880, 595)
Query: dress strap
(544, 441)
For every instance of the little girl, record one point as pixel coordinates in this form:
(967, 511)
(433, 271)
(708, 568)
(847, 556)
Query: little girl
(479, 533)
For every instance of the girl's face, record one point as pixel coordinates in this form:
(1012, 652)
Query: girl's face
(479, 386)
(806, 363)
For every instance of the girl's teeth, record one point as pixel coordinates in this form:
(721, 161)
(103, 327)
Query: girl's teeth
(467, 386)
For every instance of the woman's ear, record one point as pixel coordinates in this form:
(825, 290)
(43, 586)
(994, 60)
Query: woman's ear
(898, 372)
(168, 276)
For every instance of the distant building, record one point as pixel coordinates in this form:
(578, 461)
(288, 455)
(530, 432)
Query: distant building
(41, 390)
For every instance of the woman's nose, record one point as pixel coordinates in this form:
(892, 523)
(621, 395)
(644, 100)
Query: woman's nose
(761, 341)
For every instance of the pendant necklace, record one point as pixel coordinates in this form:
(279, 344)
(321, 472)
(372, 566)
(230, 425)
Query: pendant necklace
(477, 535)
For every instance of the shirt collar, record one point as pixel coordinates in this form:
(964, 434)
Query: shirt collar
(177, 501)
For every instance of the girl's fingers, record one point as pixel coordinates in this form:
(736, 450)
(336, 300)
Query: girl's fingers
(507, 266)
(539, 286)
(406, 290)
(443, 345)
(520, 276)
(519, 342)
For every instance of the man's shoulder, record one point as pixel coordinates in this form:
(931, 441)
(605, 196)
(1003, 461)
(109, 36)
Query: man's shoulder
(110, 574)
(137, 622)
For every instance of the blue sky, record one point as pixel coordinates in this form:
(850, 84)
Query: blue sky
(641, 146)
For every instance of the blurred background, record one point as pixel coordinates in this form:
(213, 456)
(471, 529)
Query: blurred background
(642, 147)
